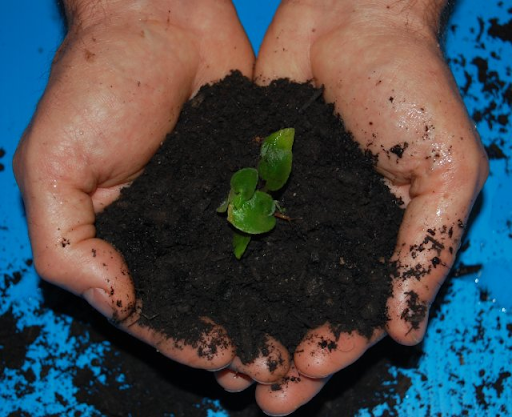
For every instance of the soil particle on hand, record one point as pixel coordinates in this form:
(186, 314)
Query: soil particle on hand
(399, 149)
(179, 250)
(415, 312)
(284, 382)
(328, 344)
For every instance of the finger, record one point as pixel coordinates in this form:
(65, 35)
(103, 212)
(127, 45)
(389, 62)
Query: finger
(321, 353)
(428, 241)
(284, 52)
(447, 169)
(271, 365)
(213, 351)
(233, 381)
(66, 253)
(222, 41)
(287, 395)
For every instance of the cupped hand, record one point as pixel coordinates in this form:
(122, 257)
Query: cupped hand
(381, 65)
(116, 88)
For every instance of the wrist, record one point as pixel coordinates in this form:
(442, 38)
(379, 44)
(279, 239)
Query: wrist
(411, 15)
(193, 15)
(380, 17)
(416, 17)
(83, 13)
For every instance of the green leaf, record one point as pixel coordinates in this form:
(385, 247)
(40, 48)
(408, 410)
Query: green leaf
(243, 185)
(240, 243)
(254, 216)
(276, 158)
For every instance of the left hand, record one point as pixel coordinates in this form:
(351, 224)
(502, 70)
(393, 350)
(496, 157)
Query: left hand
(116, 87)
(381, 65)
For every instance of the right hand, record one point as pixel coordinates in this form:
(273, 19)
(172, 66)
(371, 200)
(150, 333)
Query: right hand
(116, 88)
(381, 66)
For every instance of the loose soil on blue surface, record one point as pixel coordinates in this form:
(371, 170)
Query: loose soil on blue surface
(329, 264)
(2, 154)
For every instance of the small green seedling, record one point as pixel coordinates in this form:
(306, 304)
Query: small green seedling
(252, 211)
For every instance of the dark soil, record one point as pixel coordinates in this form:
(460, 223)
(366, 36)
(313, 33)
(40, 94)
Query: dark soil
(329, 264)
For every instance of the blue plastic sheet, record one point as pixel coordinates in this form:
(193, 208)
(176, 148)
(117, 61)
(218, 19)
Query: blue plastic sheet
(464, 368)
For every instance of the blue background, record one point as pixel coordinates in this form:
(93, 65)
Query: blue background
(448, 375)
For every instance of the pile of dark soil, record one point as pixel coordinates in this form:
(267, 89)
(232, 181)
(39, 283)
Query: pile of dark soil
(329, 264)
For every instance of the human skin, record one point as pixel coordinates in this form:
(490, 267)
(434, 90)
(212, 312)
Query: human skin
(381, 65)
(116, 88)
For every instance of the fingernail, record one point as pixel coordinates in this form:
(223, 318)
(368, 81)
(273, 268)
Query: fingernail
(99, 299)
(274, 415)
(417, 338)
(218, 369)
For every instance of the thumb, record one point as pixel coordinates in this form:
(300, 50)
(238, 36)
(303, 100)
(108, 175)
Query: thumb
(284, 52)
(429, 237)
(60, 216)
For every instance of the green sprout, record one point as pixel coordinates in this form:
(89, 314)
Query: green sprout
(253, 211)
